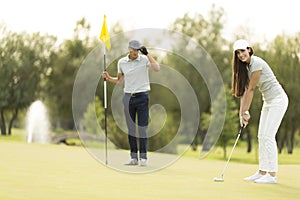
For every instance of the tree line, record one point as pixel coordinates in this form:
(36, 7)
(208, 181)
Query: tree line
(35, 66)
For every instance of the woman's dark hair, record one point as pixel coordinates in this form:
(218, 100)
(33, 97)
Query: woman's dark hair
(240, 79)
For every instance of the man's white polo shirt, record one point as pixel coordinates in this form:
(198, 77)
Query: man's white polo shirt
(136, 77)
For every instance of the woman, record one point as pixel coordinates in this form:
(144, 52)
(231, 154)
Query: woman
(249, 71)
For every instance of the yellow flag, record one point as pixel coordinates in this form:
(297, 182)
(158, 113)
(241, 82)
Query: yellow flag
(104, 35)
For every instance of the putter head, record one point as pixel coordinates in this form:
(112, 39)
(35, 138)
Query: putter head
(216, 179)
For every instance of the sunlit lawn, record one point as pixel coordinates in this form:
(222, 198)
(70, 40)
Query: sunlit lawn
(240, 155)
(35, 171)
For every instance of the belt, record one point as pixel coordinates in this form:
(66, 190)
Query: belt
(136, 94)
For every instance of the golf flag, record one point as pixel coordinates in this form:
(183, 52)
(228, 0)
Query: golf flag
(104, 35)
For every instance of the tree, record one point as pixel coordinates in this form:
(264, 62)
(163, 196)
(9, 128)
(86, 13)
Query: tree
(88, 122)
(63, 72)
(231, 121)
(284, 56)
(25, 61)
(207, 33)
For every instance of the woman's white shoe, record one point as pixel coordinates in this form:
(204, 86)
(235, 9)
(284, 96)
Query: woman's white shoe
(254, 177)
(267, 179)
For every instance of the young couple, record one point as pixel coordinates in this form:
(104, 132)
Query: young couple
(248, 72)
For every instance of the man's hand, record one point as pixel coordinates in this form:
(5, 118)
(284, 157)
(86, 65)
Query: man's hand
(144, 51)
(105, 75)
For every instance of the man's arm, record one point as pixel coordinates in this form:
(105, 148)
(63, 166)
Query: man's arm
(115, 80)
(153, 64)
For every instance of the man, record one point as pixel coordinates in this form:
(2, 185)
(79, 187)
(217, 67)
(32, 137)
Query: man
(133, 69)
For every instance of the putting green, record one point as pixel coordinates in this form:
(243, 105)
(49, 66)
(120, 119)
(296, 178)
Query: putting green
(33, 171)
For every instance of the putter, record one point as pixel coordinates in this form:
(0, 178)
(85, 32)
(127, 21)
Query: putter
(218, 179)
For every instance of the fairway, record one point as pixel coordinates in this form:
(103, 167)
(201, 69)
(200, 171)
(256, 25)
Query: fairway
(35, 172)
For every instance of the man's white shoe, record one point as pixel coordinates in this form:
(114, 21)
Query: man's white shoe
(133, 161)
(254, 177)
(143, 162)
(268, 179)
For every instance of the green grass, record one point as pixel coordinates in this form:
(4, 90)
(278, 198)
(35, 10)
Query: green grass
(35, 172)
(240, 155)
(18, 135)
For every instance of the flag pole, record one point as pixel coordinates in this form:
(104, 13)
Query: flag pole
(105, 105)
(104, 37)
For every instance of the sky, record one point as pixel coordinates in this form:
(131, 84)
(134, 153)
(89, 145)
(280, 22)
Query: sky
(265, 19)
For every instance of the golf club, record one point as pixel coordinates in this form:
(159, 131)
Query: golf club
(218, 179)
